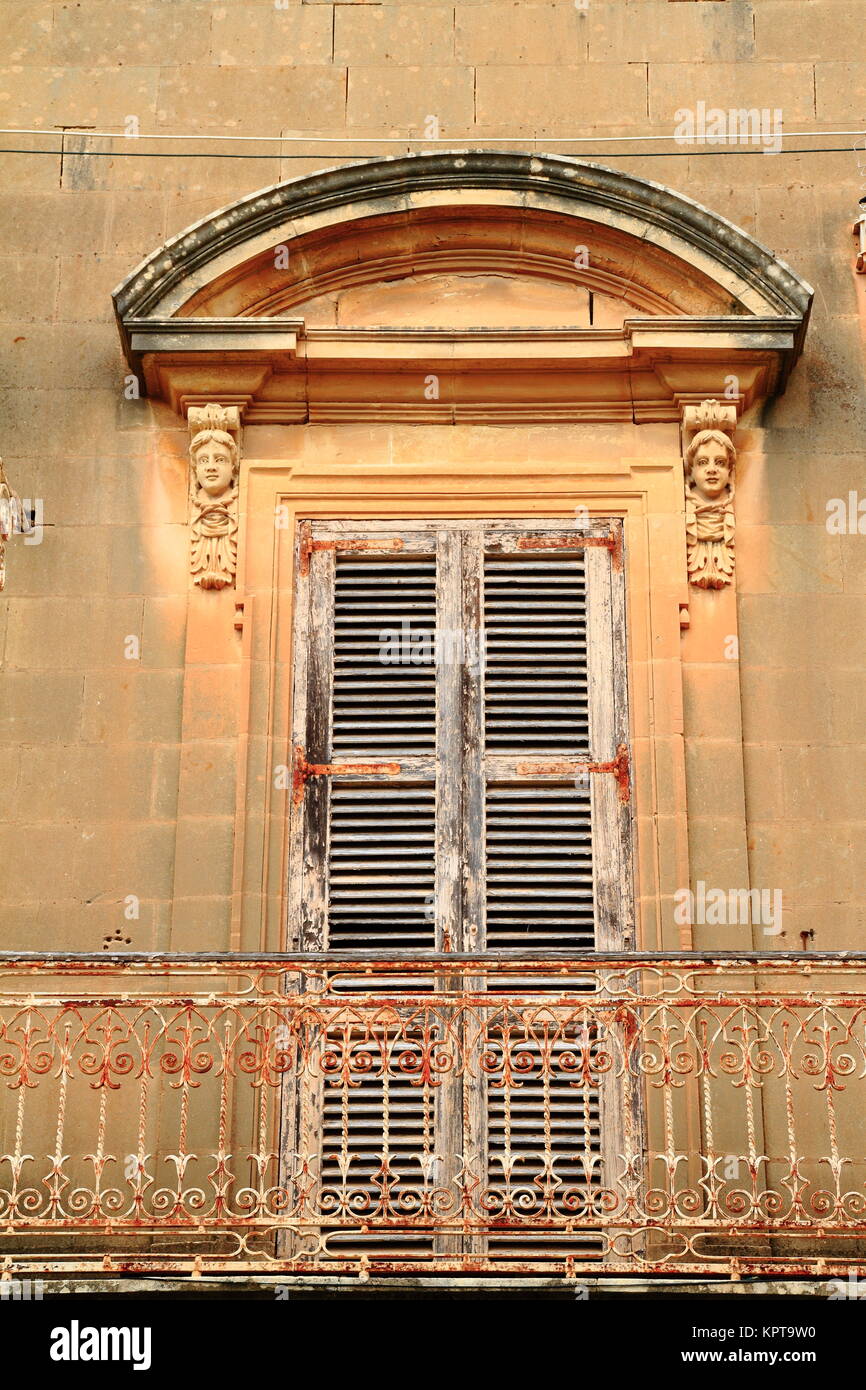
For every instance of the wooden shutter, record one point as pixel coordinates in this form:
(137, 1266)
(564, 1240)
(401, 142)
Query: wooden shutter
(557, 822)
(364, 865)
(474, 802)
(556, 836)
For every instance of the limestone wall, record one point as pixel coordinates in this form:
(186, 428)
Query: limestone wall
(93, 779)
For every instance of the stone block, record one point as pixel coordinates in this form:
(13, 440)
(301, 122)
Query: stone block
(230, 100)
(102, 34)
(166, 780)
(116, 859)
(207, 781)
(652, 31)
(70, 633)
(149, 559)
(69, 560)
(561, 100)
(788, 559)
(163, 638)
(137, 225)
(39, 862)
(840, 88)
(763, 780)
(802, 632)
(847, 706)
(46, 223)
(791, 31)
(714, 770)
(711, 700)
(28, 287)
(824, 781)
(99, 97)
(27, 33)
(211, 708)
(36, 710)
(201, 923)
(77, 357)
(261, 36)
(767, 691)
(132, 706)
(83, 783)
(402, 99)
(550, 34)
(86, 283)
(398, 35)
(204, 857)
(731, 85)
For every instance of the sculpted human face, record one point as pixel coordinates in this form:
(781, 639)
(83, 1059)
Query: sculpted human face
(711, 471)
(213, 467)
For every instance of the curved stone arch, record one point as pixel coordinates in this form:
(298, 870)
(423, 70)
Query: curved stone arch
(643, 219)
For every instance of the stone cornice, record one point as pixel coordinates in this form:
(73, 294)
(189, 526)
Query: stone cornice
(282, 335)
(277, 371)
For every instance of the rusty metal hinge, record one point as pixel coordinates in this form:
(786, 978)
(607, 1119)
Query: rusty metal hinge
(348, 543)
(612, 542)
(566, 767)
(302, 771)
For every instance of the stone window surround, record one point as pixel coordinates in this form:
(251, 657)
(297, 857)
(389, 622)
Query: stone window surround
(656, 371)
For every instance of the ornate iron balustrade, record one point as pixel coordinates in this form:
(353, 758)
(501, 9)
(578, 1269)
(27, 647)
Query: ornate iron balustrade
(332, 1114)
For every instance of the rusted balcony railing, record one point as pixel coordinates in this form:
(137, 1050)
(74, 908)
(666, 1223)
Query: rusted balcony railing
(439, 1114)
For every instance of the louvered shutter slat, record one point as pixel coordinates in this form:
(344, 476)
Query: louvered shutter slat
(384, 706)
(520, 635)
(528, 843)
(373, 622)
(530, 831)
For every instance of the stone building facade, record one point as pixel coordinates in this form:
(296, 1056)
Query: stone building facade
(496, 287)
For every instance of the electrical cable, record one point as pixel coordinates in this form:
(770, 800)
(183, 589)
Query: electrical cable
(603, 154)
(384, 139)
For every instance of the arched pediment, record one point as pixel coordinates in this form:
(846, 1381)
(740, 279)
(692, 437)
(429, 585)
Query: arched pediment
(486, 246)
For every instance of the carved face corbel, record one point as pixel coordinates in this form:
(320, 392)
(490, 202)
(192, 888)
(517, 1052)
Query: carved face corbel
(10, 519)
(214, 457)
(709, 460)
(860, 233)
